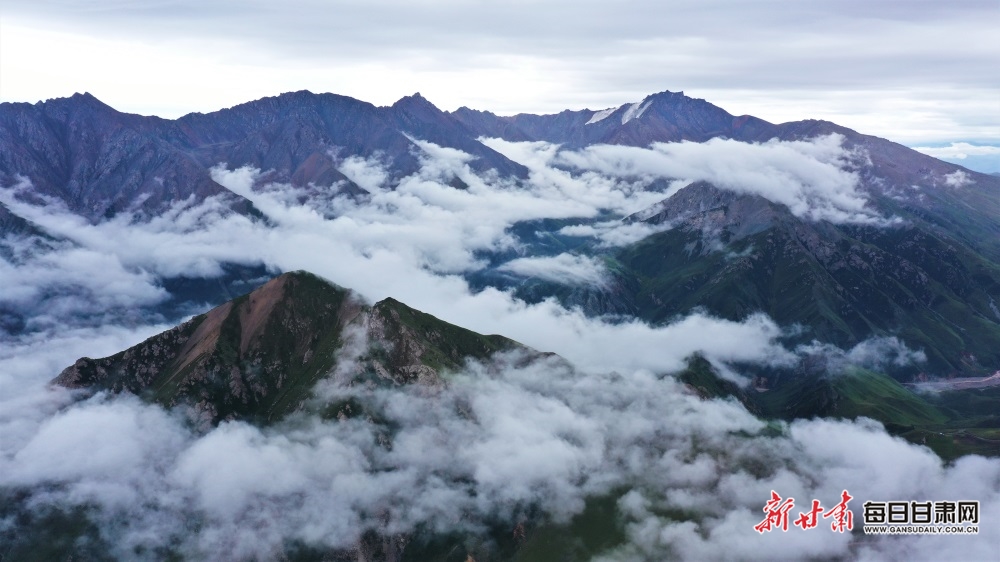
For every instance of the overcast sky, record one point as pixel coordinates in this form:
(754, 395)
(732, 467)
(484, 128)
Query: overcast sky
(921, 72)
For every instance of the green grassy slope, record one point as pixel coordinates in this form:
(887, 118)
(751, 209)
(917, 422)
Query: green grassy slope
(842, 292)
(952, 423)
(442, 346)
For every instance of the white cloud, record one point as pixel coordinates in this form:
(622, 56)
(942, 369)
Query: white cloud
(615, 233)
(958, 178)
(812, 178)
(498, 439)
(101, 450)
(410, 242)
(31, 360)
(959, 150)
(367, 173)
(564, 268)
(872, 353)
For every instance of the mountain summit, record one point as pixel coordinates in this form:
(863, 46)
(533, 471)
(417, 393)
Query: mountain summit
(259, 356)
(661, 117)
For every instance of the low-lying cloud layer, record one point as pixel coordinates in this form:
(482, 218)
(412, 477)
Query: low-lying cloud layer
(959, 150)
(421, 227)
(814, 178)
(873, 353)
(498, 441)
(502, 440)
(565, 268)
(410, 242)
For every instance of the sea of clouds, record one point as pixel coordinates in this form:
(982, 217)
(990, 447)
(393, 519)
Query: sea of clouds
(501, 439)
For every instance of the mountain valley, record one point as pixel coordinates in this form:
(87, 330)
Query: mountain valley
(688, 308)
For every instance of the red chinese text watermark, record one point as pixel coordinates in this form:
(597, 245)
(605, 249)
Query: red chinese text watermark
(776, 515)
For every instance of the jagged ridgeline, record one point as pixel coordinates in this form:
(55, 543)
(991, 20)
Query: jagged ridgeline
(844, 283)
(926, 271)
(258, 357)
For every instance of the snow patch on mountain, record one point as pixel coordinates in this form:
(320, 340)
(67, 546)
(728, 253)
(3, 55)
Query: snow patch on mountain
(635, 111)
(601, 115)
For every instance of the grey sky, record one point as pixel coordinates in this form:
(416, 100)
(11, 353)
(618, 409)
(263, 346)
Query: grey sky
(920, 72)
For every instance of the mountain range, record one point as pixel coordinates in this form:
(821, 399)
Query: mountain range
(931, 277)
(100, 162)
(899, 284)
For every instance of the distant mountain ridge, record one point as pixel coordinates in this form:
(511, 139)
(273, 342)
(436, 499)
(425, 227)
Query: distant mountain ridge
(98, 161)
(933, 279)
(892, 171)
(661, 117)
(101, 162)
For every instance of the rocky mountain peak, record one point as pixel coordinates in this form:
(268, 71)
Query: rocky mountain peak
(668, 96)
(80, 106)
(258, 357)
(414, 101)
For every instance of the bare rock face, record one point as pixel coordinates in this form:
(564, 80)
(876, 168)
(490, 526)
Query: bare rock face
(101, 162)
(259, 356)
